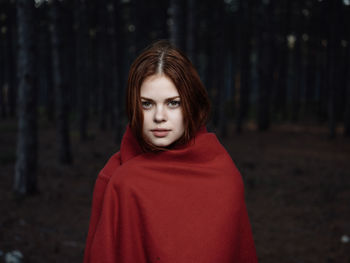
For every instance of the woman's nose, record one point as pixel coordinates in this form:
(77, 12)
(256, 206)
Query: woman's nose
(160, 115)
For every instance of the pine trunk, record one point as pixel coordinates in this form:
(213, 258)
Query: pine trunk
(26, 164)
(332, 62)
(101, 69)
(2, 76)
(82, 54)
(245, 65)
(266, 66)
(191, 30)
(45, 65)
(280, 99)
(60, 86)
(12, 94)
(176, 25)
(347, 105)
(116, 89)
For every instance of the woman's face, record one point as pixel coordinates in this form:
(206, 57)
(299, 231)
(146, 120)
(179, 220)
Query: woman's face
(162, 113)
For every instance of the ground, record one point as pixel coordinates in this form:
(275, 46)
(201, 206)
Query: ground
(297, 184)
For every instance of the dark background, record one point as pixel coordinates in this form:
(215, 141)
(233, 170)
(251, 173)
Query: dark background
(278, 77)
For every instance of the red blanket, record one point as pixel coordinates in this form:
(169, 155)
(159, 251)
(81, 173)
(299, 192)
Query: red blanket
(183, 205)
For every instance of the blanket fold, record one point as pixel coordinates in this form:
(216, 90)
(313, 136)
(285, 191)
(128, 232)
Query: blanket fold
(181, 205)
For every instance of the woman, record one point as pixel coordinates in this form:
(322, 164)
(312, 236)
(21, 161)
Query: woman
(172, 193)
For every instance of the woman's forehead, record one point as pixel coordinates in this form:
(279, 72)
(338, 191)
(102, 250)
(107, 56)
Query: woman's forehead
(158, 86)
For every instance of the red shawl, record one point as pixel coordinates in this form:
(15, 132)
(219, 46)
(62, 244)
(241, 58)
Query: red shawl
(183, 205)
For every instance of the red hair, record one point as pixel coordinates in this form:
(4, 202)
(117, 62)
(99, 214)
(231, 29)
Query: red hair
(163, 58)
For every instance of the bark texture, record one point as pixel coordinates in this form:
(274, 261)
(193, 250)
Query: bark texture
(26, 164)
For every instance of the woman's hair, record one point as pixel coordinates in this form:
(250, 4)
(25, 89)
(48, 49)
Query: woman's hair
(164, 59)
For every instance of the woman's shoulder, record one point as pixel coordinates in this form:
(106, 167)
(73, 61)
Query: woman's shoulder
(112, 164)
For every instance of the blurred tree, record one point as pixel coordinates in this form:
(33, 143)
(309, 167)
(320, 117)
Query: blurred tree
(288, 57)
(203, 45)
(333, 77)
(218, 69)
(60, 84)
(245, 30)
(208, 39)
(347, 107)
(3, 110)
(298, 62)
(46, 90)
(102, 54)
(115, 87)
(266, 63)
(82, 56)
(92, 60)
(12, 63)
(3, 60)
(7, 64)
(176, 23)
(322, 61)
(26, 164)
(310, 41)
(191, 36)
(148, 28)
(280, 93)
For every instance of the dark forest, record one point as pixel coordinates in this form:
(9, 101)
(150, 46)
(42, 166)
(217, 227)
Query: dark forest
(277, 73)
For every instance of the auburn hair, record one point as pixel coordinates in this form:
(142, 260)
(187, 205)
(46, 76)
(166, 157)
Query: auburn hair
(164, 59)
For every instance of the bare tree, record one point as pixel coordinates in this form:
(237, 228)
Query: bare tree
(26, 164)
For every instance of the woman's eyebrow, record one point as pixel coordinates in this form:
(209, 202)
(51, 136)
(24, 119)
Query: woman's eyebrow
(171, 98)
(144, 98)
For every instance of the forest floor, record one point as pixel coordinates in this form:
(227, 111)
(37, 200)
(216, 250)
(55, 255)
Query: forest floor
(297, 185)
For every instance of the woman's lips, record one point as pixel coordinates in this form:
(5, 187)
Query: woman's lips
(160, 132)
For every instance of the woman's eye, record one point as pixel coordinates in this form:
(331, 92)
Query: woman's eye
(174, 104)
(146, 104)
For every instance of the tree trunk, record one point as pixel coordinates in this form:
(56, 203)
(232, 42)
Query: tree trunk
(60, 85)
(116, 90)
(266, 66)
(191, 31)
(82, 54)
(12, 93)
(3, 84)
(5, 63)
(176, 23)
(219, 49)
(246, 8)
(101, 69)
(26, 164)
(45, 64)
(280, 98)
(347, 105)
(332, 63)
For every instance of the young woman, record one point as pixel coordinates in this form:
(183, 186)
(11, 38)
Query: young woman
(172, 192)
